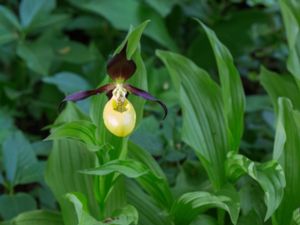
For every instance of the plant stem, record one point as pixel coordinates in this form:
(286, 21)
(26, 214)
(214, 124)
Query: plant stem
(221, 216)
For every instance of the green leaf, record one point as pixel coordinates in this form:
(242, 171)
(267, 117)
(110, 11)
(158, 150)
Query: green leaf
(9, 25)
(81, 130)
(37, 55)
(38, 217)
(231, 86)
(268, 175)
(148, 137)
(280, 86)
(20, 162)
(204, 220)
(67, 82)
(129, 168)
(6, 36)
(250, 219)
(8, 18)
(125, 216)
(6, 125)
(31, 10)
(141, 155)
(163, 7)
(296, 217)
(149, 213)
(73, 52)
(286, 151)
(154, 185)
(204, 124)
(251, 196)
(12, 205)
(80, 205)
(66, 158)
(133, 14)
(290, 11)
(191, 204)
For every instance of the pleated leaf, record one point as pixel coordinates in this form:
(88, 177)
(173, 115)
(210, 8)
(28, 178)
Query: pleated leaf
(149, 181)
(66, 159)
(80, 205)
(149, 213)
(191, 204)
(280, 86)
(296, 217)
(269, 176)
(287, 152)
(204, 124)
(38, 217)
(231, 86)
(125, 216)
(290, 10)
(81, 130)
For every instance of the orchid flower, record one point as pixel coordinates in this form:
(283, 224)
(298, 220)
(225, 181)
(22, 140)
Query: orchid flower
(119, 115)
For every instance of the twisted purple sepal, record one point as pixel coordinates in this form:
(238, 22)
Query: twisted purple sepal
(77, 96)
(118, 67)
(147, 96)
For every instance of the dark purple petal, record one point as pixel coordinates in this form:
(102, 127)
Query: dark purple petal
(118, 67)
(77, 96)
(146, 95)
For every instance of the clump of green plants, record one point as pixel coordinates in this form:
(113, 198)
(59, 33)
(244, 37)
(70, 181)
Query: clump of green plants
(100, 175)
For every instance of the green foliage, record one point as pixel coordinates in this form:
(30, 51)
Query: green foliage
(220, 157)
(269, 176)
(37, 217)
(189, 205)
(201, 101)
(287, 152)
(231, 88)
(12, 205)
(20, 162)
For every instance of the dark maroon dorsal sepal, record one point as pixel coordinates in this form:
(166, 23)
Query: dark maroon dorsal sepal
(119, 68)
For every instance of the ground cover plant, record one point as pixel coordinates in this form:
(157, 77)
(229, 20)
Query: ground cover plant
(149, 112)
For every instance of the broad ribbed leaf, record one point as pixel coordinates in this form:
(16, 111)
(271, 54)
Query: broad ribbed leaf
(149, 213)
(37, 55)
(144, 157)
(20, 162)
(204, 124)
(67, 82)
(129, 168)
(8, 18)
(290, 11)
(231, 87)
(154, 185)
(30, 10)
(81, 130)
(296, 217)
(38, 217)
(269, 176)
(80, 205)
(287, 152)
(9, 25)
(191, 204)
(66, 159)
(13, 205)
(280, 86)
(125, 216)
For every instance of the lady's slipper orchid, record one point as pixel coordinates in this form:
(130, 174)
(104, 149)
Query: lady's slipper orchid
(119, 115)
